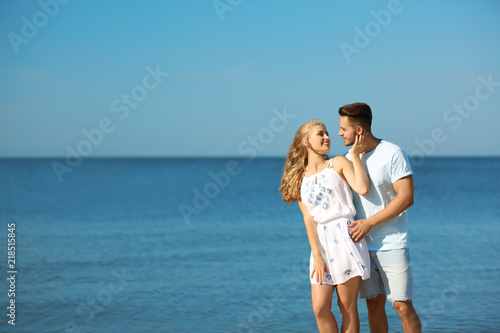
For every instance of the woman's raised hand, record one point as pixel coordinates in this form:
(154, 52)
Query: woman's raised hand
(359, 145)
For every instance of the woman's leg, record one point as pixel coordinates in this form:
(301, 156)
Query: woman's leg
(348, 304)
(322, 307)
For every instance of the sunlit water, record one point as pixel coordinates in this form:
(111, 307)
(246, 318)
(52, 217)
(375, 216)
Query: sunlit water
(109, 250)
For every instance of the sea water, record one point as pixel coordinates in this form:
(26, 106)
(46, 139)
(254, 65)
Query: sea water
(208, 245)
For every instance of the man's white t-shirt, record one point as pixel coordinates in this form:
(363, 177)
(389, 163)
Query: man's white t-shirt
(385, 165)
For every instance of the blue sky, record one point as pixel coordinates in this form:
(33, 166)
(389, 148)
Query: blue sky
(239, 77)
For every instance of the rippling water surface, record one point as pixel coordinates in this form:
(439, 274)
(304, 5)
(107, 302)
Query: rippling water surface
(109, 250)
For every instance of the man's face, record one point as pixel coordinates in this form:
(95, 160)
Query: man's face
(347, 130)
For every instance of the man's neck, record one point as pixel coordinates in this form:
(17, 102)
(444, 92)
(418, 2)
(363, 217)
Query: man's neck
(372, 143)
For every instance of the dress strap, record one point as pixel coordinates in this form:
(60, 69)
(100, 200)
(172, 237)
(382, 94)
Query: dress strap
(330, 165)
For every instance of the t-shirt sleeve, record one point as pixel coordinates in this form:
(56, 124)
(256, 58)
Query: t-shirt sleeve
(348, 155)
(400, 166)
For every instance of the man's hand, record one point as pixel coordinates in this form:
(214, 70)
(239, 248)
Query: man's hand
(359, 229)
(403, 200)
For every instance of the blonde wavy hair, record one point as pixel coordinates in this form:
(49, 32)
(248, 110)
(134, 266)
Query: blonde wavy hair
(296, 163)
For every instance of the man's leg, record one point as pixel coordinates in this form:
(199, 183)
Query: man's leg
(395, 271)
(373, 291)
(409, 317)
(376, 314)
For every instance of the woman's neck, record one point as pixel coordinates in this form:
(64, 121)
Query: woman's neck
(315, 163)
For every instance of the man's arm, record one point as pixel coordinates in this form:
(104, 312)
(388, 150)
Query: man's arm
(402, 201)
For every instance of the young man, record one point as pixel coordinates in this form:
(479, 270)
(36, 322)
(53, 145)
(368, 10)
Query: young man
(381, 219)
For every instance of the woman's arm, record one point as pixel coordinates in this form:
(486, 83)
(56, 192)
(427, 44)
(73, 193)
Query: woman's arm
(312, 234)
(354, 173)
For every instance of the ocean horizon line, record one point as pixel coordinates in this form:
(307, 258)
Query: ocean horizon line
(216, 157)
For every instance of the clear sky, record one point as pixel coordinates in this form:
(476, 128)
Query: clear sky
(238, 77)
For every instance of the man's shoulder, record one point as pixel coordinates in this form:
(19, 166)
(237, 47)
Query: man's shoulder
(387, 148)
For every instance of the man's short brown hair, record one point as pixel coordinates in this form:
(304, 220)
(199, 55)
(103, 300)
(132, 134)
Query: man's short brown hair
(359, 112)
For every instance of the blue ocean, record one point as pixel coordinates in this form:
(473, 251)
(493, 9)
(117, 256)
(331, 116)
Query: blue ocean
(208, 245)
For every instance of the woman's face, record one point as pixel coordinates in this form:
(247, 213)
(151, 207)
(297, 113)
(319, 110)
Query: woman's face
(318, 139)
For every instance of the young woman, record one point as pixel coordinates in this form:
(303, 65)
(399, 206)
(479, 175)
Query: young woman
(321, 187)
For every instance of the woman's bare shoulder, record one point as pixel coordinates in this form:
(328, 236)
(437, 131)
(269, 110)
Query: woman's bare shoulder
(340, 159)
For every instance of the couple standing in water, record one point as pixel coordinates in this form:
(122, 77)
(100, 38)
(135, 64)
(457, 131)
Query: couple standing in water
(358, 238)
